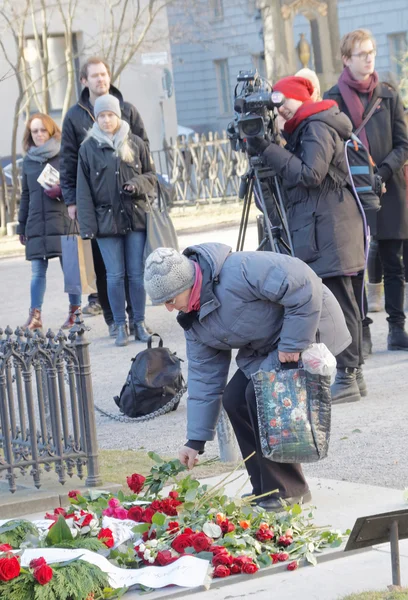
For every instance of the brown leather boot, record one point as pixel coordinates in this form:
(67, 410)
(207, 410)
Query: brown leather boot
(34, 321)
(71, 317)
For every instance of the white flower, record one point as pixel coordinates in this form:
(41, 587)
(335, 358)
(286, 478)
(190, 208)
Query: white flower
(142, 548)
(74, 532)
(85, 530)
(153, 543)
(405, 495)
(151, 560)
(146, 554)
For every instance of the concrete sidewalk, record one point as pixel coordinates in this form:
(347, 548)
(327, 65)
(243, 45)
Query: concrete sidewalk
(338, 505)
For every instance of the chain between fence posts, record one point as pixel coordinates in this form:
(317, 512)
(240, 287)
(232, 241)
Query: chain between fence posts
(85, 397)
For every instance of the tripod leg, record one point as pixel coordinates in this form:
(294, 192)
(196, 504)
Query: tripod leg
(261, 201)
(245, 216)
(282, 215)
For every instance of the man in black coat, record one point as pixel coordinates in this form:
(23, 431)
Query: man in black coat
(385, 135)
(95, 77)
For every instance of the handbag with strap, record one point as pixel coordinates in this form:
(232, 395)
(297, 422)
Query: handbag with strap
(160, 232)
(294, 414)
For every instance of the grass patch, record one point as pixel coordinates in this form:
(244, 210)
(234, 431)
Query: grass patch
(387, 595)
(116, 465)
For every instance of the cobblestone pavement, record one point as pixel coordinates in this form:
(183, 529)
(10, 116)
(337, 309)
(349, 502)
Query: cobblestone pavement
(369, 438)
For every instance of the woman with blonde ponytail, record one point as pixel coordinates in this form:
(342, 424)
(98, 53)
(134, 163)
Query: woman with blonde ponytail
(115, 174)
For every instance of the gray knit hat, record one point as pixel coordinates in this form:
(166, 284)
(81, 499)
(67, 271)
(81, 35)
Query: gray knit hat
(107, 102)
(167, 273)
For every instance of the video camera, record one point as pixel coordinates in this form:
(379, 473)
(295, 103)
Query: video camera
(254, 104)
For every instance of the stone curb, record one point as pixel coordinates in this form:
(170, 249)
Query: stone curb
(17, 505)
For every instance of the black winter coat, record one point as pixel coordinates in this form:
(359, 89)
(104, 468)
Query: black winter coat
(325, 223)
(78, 120)
(387, 135)
(42, 220)
(104, 207)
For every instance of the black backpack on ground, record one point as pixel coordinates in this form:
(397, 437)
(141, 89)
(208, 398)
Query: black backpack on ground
(154, 385)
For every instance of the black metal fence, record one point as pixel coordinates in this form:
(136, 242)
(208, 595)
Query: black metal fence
(203, 170)
(46, 405)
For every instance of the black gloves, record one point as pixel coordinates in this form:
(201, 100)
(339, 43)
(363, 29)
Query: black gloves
(256, 145)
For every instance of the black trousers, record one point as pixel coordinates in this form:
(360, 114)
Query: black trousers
(266, 476)
(361, 298)
(342, 289)
(374, 266)
(102, 287)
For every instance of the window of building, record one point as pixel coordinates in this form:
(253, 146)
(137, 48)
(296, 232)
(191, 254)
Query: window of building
(224, 91)
(216, 9)
(56, 74)
(398, 45)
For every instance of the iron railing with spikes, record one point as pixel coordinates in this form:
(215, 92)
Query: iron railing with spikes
(47, 413)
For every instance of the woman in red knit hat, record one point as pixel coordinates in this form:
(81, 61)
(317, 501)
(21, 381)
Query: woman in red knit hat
(325, 223)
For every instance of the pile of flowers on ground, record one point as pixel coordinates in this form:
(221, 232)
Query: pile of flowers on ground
(143, 528)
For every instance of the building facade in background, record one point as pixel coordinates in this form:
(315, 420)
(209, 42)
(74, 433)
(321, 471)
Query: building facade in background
(230, 35)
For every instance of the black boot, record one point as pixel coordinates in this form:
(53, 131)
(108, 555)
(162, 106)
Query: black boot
(142, 332)
(367, 343)
(345, 387)
(397, 337)
(361, 382)
(122, 338)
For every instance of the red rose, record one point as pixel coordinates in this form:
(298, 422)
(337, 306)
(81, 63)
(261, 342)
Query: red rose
(5, 548)
(43, 574)
(218, 550)
(235, 569)
(201, 542)
(73, 494)
(222, 559)
(263, 535)
(282, 556)
(173, 527)
(107, 536)
(221, 571)
(156, 505)
(227, 527)
(173, 495)
(168, 507)
(135, 514)
(37, 562)
(181, 542)
(285, 541)
(275, 558)
(9, 568)
(292, 566)
(240, 560)
(136, 482)
(164, 557)
(188, 531)
(148, 515)
(249, 568)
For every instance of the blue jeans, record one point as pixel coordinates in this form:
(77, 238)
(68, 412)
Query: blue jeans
(122, 255)
(39, 268)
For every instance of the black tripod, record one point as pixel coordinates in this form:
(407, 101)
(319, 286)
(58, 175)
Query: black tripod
(263, 183)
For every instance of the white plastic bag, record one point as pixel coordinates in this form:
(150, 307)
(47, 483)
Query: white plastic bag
(318, 360)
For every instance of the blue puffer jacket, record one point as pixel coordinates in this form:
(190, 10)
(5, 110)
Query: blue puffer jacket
(256, 302)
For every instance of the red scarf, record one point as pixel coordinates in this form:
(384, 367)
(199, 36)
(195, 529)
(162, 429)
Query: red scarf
(194, 300)
(307, 109)
(349, 90)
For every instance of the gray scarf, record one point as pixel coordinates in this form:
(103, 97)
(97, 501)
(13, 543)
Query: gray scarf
(116, 141)
(45, 152)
